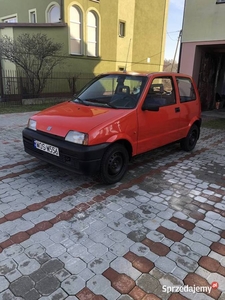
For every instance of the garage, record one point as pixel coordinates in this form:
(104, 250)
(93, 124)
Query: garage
(211, 78)
(205, 61)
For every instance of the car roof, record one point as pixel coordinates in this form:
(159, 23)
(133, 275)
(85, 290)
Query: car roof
(144, 73)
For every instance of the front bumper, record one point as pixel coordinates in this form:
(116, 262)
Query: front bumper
(73, 157)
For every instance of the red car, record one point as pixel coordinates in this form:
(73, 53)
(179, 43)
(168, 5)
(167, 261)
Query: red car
(115, 117)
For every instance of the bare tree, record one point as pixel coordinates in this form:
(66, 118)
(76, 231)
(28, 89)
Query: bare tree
(36, 55)
(170, 65)
(72, 83)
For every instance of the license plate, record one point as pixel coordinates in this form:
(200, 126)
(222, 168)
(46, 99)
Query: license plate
(46, 148)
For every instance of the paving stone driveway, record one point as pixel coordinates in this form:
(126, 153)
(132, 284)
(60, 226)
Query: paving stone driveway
(158, 234)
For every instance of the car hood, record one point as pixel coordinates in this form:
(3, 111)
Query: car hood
(61, 118)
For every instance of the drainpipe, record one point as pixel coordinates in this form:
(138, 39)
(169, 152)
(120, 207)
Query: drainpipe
(62, 11)
(178, 66)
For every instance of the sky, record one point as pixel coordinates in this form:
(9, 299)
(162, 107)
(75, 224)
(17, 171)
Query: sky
(174, 25)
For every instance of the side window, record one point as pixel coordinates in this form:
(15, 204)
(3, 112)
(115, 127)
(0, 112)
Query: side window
(186, 89)
(161, 92)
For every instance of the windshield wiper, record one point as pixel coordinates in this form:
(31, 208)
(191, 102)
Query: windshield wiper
(89, 102)
(96, 101)
(111, 105)
(80, 101)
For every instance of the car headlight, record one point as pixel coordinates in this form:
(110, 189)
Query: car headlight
(32, 124)
(77, 137)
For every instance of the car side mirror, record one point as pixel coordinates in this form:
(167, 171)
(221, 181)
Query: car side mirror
(150, 107)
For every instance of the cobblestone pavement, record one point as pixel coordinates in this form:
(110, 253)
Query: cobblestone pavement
(157, 234)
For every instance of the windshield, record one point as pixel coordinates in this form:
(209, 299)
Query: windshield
(114, 90)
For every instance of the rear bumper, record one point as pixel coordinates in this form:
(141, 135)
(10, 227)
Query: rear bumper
(73, 157)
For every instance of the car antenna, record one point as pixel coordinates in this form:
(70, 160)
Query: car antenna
(125, 69)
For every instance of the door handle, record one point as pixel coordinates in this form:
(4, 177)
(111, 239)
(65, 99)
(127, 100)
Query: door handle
(177, 109)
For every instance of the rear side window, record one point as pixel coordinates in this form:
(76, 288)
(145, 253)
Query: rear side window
(186, 89)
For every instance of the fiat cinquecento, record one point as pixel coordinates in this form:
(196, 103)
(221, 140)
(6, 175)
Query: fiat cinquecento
(114, 118)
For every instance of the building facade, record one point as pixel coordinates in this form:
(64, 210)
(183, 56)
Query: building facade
(203, 48)
(101, 34)
(26, 11)
(97, 35)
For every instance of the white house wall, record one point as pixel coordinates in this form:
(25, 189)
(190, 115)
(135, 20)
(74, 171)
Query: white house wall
(203, 21)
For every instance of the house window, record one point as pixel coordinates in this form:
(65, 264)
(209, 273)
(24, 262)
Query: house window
(92, 34)
(11, 19)
(122, 29)
(75, 30)
(53, 14)
(32, 16)
(220, 1)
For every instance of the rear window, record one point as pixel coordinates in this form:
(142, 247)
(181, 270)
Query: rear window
(186, 89)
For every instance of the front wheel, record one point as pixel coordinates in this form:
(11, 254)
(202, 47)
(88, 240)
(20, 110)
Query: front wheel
(189, 142)
(114, 164)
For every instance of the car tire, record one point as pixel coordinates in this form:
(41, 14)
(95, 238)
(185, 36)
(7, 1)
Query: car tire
(114, 164)
(188, 143)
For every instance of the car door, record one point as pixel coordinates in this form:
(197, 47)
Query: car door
(159, 115)
(189, 104)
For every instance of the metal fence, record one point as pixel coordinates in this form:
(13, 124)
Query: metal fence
(14, 85)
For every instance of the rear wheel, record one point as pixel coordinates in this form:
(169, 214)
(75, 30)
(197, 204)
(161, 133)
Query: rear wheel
(114, 164)
(188, 143)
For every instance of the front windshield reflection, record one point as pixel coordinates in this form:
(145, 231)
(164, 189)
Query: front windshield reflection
(115, 91)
